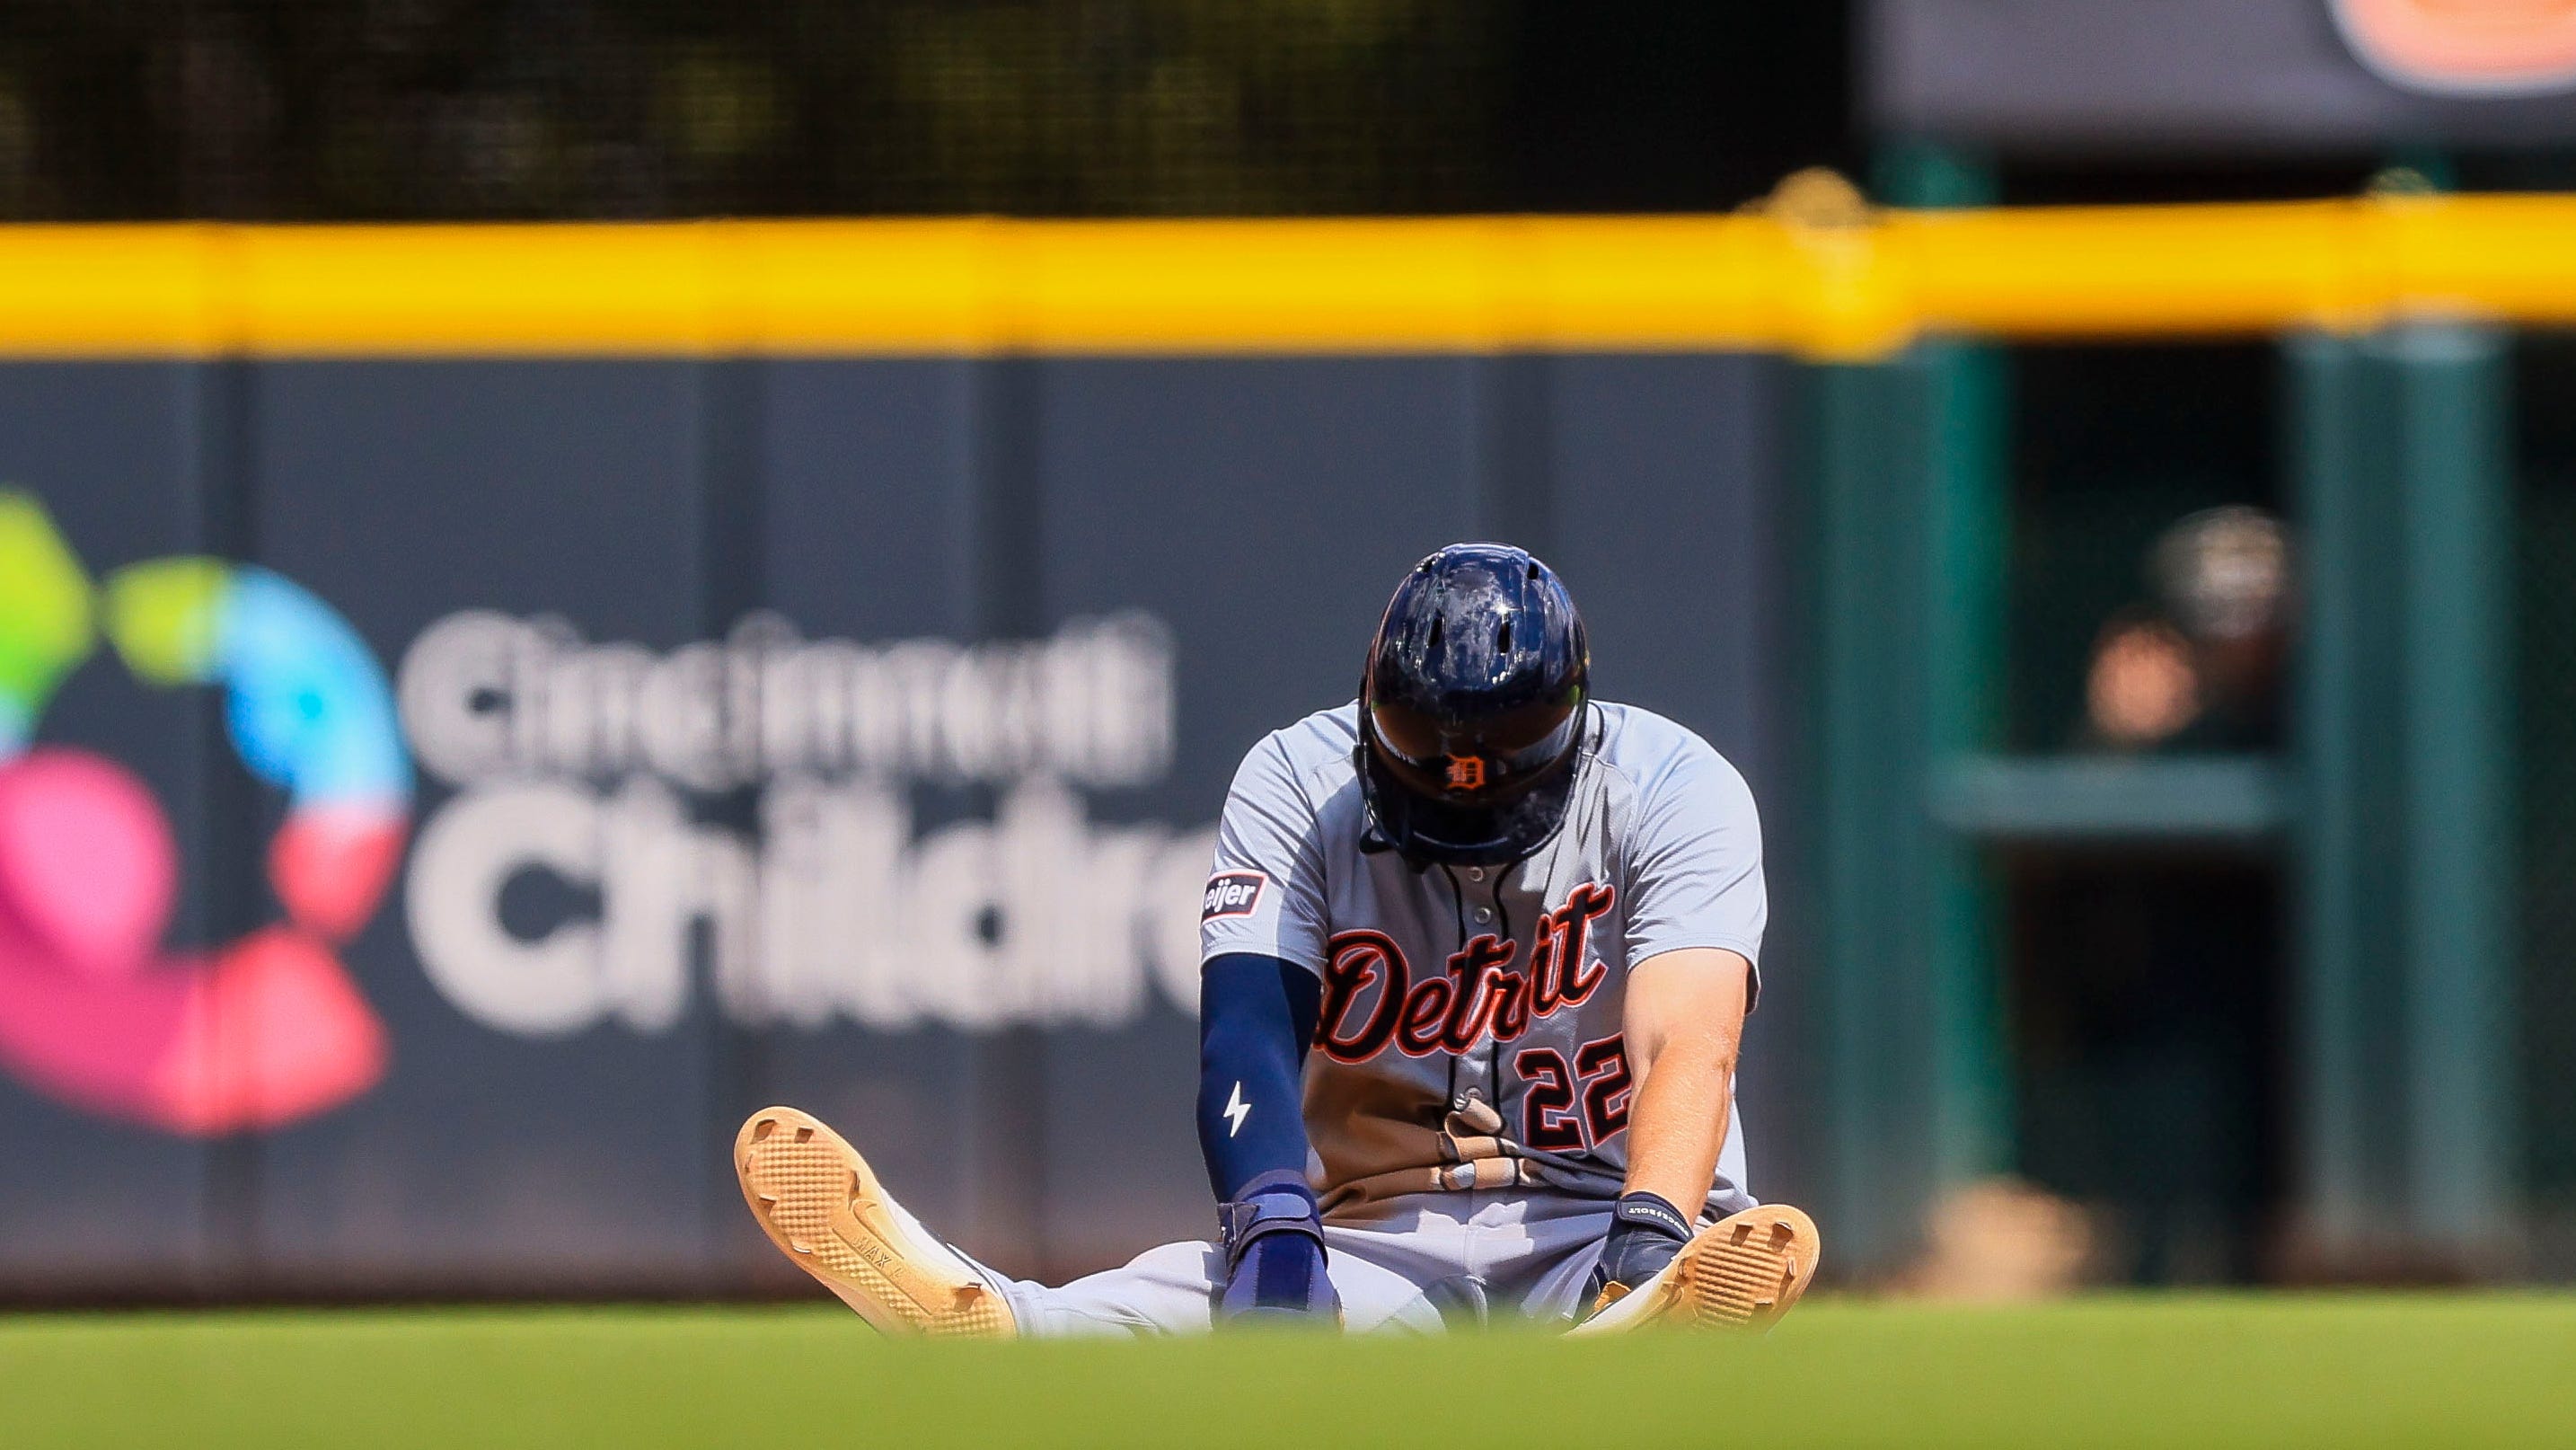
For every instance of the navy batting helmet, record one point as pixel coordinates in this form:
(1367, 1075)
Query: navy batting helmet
(1472, 710)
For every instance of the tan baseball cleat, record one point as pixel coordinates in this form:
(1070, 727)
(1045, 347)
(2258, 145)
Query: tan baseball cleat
(818, 1201)
(1742, 1272)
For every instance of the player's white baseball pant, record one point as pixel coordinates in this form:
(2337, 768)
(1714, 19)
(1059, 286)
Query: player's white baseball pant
(1420, 1264)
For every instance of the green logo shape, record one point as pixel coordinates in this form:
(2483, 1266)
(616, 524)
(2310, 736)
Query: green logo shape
(45, 622)
(162, 617)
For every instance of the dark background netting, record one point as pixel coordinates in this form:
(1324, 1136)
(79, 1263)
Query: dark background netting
(389, 109)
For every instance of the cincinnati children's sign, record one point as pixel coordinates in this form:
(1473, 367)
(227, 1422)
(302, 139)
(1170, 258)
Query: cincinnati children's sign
(587, 858)
(756, 811)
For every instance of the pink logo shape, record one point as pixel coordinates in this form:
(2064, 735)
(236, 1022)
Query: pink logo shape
(266, 1031)
(86, 866)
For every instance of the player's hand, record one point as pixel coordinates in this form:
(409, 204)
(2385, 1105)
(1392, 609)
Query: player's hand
(1645, 1233)
(1274, 1256)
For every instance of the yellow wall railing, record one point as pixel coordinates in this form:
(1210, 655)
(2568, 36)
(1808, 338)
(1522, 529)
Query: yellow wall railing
(1857, 287)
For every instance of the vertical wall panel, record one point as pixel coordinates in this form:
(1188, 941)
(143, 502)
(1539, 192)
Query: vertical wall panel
(88, 1205)
(868, 537)
(404, 492)
(2408, 1136)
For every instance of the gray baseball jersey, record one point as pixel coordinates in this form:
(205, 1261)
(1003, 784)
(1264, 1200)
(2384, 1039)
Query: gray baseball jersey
(1470, 1034)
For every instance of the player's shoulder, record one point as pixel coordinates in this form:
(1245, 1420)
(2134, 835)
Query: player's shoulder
(1649, 751)
(1328, 734)
(1318, 745)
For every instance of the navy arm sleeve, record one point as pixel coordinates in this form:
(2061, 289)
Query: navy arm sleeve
(1256, 1016)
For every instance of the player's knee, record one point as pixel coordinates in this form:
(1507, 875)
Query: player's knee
(1190, 1265)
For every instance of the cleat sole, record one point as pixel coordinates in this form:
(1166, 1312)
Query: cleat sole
(818, 1201)
(1741, 1273)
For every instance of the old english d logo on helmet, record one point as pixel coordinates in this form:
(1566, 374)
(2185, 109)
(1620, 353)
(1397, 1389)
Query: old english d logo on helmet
(2464, 47)
(1472, 707)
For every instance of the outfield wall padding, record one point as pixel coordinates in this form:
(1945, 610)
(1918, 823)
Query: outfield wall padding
(1035, 546)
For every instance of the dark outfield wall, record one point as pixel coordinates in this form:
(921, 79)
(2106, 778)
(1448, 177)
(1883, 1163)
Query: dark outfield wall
(840, 733)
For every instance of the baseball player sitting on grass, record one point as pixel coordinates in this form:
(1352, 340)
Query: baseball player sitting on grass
(1477, 954)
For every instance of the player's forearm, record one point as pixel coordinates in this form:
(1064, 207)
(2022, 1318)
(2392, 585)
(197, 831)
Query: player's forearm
(1677, 1121)
(1684, 1019)
(1256, 1015)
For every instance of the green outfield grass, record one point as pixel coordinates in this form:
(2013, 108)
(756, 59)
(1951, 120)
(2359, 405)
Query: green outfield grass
(2196, 1372)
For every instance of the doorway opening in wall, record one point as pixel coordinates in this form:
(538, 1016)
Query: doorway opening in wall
(2147, 1048)
(2544, 410)
(2151, 617)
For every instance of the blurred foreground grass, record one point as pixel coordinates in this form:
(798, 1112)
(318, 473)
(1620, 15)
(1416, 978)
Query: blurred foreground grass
(2199, 1372)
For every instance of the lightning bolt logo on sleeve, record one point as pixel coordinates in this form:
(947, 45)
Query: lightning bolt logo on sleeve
(1236, 1110)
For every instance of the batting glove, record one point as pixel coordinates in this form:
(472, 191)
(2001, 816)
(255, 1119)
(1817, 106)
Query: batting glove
(1274, 1255)
(1645, 1233)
